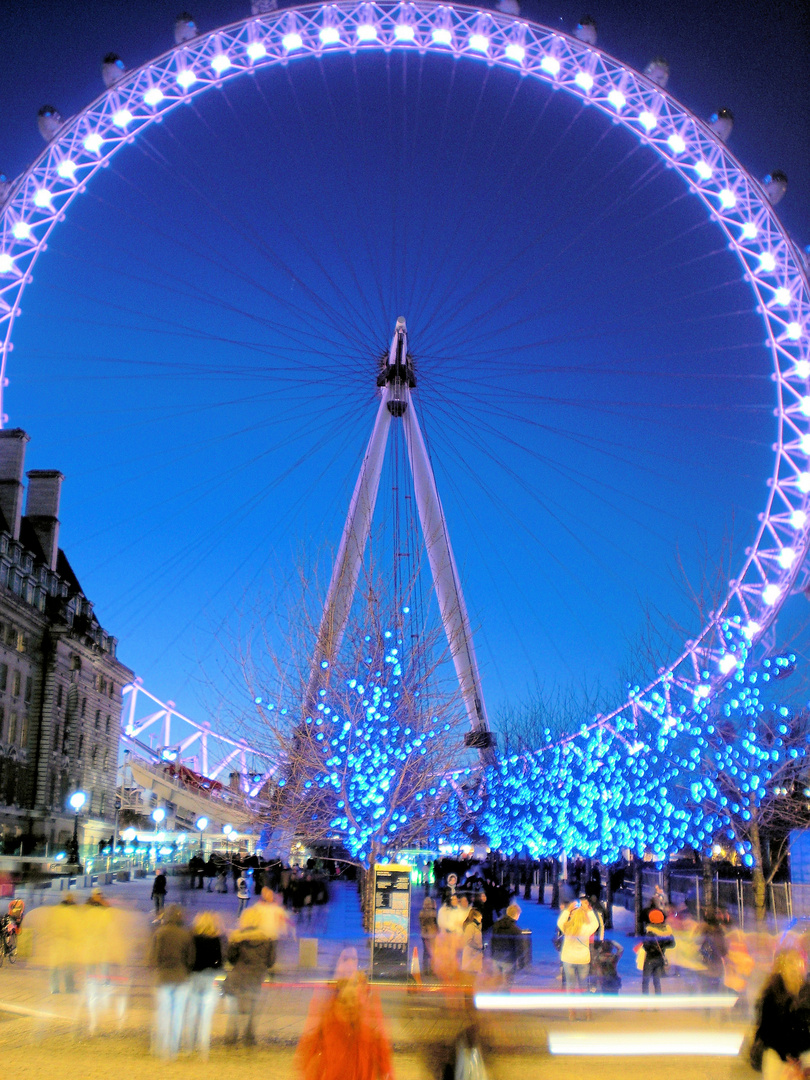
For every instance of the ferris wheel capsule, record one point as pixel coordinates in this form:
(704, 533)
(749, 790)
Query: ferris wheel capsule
(508, 7)
(263, 7)
(49, 122)
(586, 30)
(657, 71)
(775, 186)
(721, 123)
(112, 69)
(184, 28)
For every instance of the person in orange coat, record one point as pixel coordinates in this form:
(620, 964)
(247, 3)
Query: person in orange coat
(345, 1038)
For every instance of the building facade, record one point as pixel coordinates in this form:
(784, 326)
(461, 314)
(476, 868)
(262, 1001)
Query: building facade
(60, 679)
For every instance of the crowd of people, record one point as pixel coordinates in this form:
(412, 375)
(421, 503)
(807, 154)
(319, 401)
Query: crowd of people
(471, 937)
(196, 967)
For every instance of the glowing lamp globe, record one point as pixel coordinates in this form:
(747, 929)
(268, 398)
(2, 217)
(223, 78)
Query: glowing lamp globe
(77, 800)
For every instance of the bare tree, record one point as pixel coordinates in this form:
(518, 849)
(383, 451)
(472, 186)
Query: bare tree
(366, 765)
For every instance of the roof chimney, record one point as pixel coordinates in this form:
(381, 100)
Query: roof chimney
(12, 461)
(42, 510)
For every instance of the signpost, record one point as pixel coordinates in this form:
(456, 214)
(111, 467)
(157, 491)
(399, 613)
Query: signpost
(392, 921)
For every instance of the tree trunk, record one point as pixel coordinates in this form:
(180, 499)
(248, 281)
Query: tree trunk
(541, 875)
(638, 903)
(708, 885)
(555, 883)
(758, 875)
(609, 898)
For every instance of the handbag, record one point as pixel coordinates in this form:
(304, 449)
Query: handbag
(469, 1064)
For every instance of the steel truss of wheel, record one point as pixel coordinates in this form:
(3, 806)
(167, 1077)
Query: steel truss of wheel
(732, 197)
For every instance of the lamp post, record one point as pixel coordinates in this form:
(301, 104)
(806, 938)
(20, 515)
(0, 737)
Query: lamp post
(227, 830)
(202, 825)
(76, 801)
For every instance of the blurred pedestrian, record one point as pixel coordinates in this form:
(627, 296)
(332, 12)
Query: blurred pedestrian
(577, 922)
(657, 939)
(507, 945)
(713, 950)
(605, 956)
(172, 955)
(472, 956)
(428, 928)
(782, 1039)
(344, 1037)
(62, 944)
(242, 894)
(274, 923)
(450, 917)
(249, 952)
(203, 991)
(159, 886)
(222, 878)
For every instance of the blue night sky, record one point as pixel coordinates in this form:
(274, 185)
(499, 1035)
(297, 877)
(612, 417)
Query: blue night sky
(197, 352)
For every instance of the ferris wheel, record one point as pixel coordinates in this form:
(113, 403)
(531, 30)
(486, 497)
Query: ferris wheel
(739, 205)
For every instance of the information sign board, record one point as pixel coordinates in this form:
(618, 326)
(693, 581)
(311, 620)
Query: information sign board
(392, 921)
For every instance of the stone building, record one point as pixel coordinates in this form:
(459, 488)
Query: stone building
(60, 680)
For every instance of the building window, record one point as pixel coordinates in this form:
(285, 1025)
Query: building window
(81, 744)
(24, 731)
(12, 728)
(84, 706)
(107, 726)
(11, 636)
(3, 676)
(112, 689)
(16, 681)
(56, 737)
(94, 755)
(59, 696)
(98, 719)
(106, 759)
(101, 802)
(29, 689)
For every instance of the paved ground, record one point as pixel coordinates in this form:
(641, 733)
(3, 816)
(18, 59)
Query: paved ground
(42, 1033)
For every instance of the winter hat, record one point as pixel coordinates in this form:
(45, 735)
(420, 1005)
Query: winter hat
(656, 916)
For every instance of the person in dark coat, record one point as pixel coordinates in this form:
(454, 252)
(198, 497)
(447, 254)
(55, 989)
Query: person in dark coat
(593, 886)
(249, 952)
(654, 945)
(159, 891)
(172, 955)
(783, 1014)
(507, 944)
(203, 991)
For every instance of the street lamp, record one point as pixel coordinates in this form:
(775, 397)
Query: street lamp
(202, 825)
(227, 830)
(76, 801)
(158, 814)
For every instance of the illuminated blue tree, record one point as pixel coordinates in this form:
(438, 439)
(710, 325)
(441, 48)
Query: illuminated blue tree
(366, 763)
(743, 758)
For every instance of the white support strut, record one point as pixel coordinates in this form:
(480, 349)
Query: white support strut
(350, 553)
(446, 580)
(396, 381)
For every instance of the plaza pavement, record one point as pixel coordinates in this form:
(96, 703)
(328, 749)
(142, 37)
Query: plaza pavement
(42, 1034)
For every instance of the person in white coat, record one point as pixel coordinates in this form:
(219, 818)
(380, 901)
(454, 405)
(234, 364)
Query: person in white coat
(577, 922)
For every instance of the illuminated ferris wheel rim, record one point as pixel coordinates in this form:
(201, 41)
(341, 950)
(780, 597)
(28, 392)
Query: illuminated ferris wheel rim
(734, 200)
